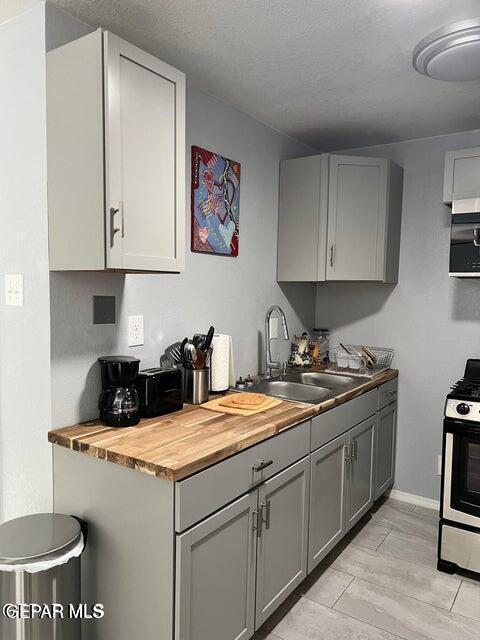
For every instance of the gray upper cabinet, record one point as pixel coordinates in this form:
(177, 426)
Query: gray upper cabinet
(339, 219)
(302, 219)
(364, 213)
(116, 158)
(282, 537)
(359, 496)
(215, 590)
(327, 499)
(462, 175)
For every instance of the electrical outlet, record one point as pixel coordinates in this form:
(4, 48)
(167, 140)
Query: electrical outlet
(274, 327)
(14, 289)
(439, 464)
(135, 331)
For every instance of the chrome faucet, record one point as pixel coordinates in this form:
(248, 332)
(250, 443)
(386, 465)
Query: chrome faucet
(269, 365)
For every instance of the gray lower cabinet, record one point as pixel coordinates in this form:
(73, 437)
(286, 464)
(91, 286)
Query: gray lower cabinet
(327, 499)
(385, 437)
(359, 494)
(216, 561)
(282, 537)
(237, 566)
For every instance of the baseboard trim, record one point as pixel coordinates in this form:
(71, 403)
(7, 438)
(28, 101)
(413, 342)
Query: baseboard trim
(414, 499)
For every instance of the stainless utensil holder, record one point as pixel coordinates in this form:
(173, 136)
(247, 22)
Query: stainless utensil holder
(196, 385)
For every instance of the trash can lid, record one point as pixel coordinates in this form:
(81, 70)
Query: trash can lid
(40, 536)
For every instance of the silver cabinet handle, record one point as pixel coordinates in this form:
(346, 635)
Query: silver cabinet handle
(390, 393)
(355, 449)
(265, 506)
(254, 520)
(476, 237)
(263, 464)
(348, 457)
(114, 229)
(332, 254)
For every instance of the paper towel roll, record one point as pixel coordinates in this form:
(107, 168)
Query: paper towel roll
(222, 371)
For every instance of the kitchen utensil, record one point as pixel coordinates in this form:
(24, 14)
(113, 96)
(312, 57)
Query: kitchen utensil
(199, 340)
(201, 359)
(208, 339)
(190, 354)
(175, 353)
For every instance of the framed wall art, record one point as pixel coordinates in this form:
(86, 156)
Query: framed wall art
(215, 203)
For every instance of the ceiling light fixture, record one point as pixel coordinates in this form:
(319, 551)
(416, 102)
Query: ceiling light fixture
(451, 53)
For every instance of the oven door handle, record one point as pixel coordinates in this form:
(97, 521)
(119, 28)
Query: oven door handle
(476, 236)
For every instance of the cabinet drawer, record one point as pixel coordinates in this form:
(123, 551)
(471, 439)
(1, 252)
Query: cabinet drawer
(333, 423)
(203, 493)
(387, 393)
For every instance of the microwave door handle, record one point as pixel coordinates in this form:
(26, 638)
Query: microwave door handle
(476, 237)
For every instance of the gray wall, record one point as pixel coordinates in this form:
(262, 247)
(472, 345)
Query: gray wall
(25, 417)
(230, 293)
(432, 321)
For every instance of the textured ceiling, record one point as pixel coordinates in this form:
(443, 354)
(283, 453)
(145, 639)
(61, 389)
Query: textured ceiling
(332, 73)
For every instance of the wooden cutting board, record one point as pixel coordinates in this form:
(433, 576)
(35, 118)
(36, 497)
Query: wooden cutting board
(214, 405)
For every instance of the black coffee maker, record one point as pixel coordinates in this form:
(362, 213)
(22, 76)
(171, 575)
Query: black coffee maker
(119, 403)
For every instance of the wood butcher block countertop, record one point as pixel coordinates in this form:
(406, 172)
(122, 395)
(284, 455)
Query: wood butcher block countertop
(179, 444)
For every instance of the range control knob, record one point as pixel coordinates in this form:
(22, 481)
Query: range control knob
(463, 408)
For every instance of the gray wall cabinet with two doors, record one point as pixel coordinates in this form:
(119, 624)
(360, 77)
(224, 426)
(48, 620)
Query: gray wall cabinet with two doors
(339, 219)
(212, 556)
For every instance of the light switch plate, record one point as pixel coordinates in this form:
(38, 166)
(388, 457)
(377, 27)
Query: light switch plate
(14, 289)
(135, 331)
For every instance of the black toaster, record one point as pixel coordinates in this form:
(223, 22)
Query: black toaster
(160, 391)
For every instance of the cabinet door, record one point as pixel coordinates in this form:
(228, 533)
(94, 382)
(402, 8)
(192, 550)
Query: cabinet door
(385, 436)
(302, 219)
(215, 588)
(462, 175)
(144, 158)
(282, 537)
(327, 499)
(360, 471)
(357, 213)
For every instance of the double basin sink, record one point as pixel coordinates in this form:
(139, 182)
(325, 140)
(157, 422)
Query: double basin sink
(307, 386)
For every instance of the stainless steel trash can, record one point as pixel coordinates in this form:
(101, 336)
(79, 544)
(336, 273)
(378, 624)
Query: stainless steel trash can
(40, 577)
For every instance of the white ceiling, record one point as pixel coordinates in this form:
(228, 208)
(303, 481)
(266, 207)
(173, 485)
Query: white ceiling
(332, 73)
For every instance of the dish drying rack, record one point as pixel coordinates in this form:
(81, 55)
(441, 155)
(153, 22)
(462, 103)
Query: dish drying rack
(354, 363)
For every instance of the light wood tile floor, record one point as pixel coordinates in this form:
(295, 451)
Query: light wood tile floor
(381, 583)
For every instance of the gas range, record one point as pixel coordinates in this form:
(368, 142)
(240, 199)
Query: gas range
(463, 401)
(459, 544)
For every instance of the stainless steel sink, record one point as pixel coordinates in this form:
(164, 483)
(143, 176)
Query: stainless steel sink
(311, 387)
(281, 388)
(336, 383)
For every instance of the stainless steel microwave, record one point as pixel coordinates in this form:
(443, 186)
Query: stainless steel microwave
(465, 245)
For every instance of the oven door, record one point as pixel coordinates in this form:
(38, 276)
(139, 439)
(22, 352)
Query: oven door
(461, 482)
(465, 245)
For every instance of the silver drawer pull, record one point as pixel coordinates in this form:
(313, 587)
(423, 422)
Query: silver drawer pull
(265, 506)
(254, 519)
(390, 393)
(263, 464)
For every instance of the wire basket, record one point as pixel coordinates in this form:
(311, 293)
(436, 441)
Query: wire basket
(355, 363)
(384, 356)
